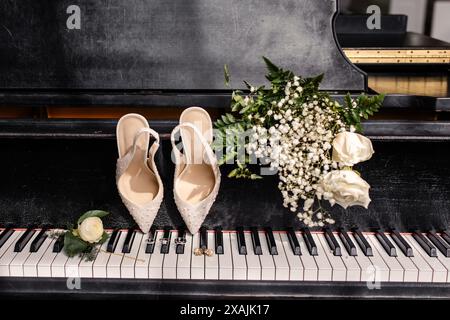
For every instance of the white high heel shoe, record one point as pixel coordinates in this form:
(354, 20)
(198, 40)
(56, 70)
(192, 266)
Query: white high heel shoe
(197, 174)
(137, 178)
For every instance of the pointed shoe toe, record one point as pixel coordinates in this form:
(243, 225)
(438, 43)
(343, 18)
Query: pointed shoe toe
(194, 215)
(137, 178)
(143, 215)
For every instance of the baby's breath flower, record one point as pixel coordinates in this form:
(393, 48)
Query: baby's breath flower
(298, 145)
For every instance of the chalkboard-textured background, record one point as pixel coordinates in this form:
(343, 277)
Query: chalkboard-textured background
(168, 44)
(53, 181)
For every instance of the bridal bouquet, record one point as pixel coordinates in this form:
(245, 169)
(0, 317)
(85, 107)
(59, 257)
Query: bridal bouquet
(300, 133)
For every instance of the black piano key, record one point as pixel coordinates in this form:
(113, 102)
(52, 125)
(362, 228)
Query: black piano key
(112, 243)
(439, 243)
(241, 240)
(165, 240)
(129, 239)
(348, 243)
(24, 239)
(332, 242)
(203, 238)
(59, 244)
(151, 241)
(446, 236)
(386, 243)
(219, 240)
(362, 242)
(309, 241)
(5, 235)
(426, 245)
(181, 240)
(256, 241)
(293, 241)
(401, 243)
(271, 241)
(38, 241)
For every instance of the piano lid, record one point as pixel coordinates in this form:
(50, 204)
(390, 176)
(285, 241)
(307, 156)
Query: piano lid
(168, 44)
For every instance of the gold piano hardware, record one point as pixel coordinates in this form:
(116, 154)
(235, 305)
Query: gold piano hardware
(374, 56)
(436, 86)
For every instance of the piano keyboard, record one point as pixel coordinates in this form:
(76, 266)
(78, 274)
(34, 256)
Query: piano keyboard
(254, 254)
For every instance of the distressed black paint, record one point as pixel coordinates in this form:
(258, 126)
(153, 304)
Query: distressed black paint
(54, 181)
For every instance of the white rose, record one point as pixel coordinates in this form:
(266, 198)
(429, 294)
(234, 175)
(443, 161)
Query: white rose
(346, 188)
(350, 148)
(91, 229)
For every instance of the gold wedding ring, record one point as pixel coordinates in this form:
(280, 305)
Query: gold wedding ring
(201, 251)
(208, 252)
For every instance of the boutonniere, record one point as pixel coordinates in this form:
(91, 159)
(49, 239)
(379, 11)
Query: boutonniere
(88, 235)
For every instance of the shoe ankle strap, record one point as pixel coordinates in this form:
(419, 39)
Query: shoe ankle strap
(150, 133)
(207, 148)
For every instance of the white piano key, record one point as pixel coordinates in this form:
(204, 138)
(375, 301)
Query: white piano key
(142, 259)
(445, 262)
(310, 267)
(411, 271)
(115, 260)
(396, 272)
(378, 271)
(439, 271)
(253, 262)
(267, 263)
(170, 259)
(156, 262)
(239, 261)
(8, 254)
(211, 263)
(12, 239)
(295, 264)
(197, 262)
(184, 260)
(8, 246)
(58, 265)
(425, 271)
(368, 271)
(101, 261)
(16, 265)
(44, 266)
(225, 259)
(354, 270)
(86, 267)
(282, 271)
(339, 271)
(30, 267)
(72, 265)
(129, 259)
(323, 265)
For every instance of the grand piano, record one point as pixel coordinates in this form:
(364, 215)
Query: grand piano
(62, 89)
